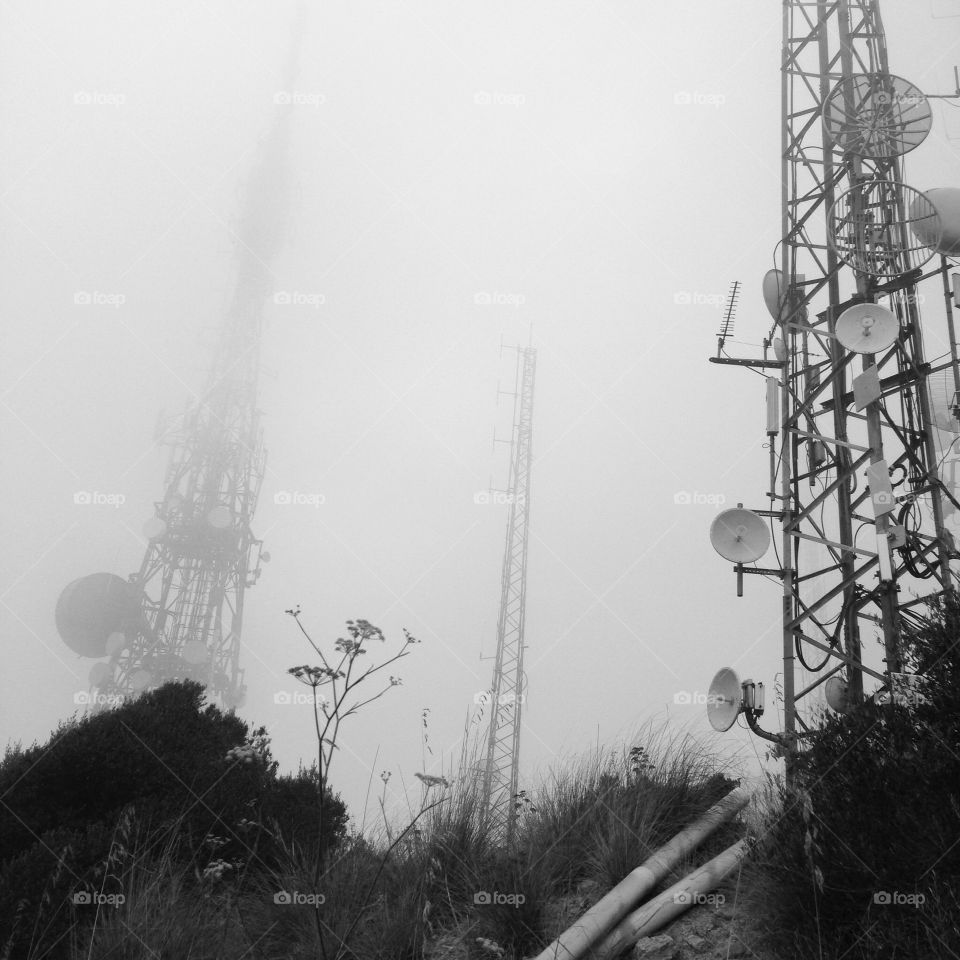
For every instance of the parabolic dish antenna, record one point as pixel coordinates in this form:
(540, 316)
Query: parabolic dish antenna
(867, 328)
(837, 693)
(868, 230)
(739, 535)
(876, 115)
(724, 700)
(943, 234)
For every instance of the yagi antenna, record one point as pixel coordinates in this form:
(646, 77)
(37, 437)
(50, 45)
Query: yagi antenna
(729, 315)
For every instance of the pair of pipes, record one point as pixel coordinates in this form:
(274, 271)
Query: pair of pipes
(614, 923)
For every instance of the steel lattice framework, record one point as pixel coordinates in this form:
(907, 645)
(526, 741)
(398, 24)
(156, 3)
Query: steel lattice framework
(196, 570)
(853, 471)
(500, 774)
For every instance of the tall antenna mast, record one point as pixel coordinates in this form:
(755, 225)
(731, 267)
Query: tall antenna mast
(500, 775)
(854, 481)
(181, 614)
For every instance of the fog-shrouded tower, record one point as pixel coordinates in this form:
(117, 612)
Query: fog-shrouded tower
(507, 694)
(181, 614)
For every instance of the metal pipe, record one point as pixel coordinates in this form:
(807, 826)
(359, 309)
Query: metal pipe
(671, 903)
(587, 932)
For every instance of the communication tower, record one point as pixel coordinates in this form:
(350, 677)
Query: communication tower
(507, 692)
(181, 614)
(855, 453)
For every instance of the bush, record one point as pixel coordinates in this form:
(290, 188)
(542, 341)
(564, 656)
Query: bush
(165, 758)
(873, 819)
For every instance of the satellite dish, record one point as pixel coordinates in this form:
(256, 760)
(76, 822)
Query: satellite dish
(91, 609)
(876, 116)
(779, 348)
(724, 700)
(140, 680)
(195, 652)
(867, 328)
(154, 528)
(837, 693)
(739, 535)
(868, 228)
(115, 644)
(100, 673)
(771, 292)
(943, 233)
(220, 517)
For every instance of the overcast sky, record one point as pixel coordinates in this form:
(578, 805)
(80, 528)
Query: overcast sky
(460, 174)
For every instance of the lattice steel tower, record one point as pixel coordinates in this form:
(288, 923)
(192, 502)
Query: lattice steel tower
(852, 427)
(501, 769)
(181, 614)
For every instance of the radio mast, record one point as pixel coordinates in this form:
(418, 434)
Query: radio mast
(854, 458)
(501, 770)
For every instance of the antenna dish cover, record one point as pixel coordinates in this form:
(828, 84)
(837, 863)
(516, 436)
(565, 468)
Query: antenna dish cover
(867, 328)
(739, 535)
(837, 693)
(724, 700)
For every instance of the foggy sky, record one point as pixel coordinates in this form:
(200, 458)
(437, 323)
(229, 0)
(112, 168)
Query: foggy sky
(461, 174)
